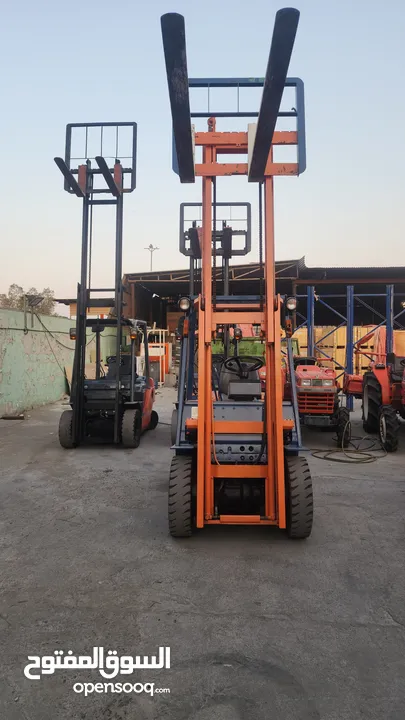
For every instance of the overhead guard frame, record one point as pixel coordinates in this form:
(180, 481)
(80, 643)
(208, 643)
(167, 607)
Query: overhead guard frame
(247, 234)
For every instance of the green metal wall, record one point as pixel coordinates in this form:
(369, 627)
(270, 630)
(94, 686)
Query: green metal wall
(33, 359)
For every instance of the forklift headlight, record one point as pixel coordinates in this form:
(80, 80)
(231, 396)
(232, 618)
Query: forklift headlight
(327, 383)
(238, 333)
(184, 303)
(291, 303)
(305, 383)
(72, 333)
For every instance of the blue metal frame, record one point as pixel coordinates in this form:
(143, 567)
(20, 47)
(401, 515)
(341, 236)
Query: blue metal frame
(298, 112)
(297, 440)
(389, 320)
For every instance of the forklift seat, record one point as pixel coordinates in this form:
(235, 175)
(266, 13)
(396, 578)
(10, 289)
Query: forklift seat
(235, 388)
(125, 368)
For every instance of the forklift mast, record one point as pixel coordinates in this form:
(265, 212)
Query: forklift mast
(83, 180)
(264, 310)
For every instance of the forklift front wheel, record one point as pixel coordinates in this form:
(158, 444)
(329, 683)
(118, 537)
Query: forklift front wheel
(299, 498)
(154, 419)
(131, 428)
(66, 430)
(181, 504)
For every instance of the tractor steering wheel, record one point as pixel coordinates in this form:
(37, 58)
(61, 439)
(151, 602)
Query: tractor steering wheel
(242, 365)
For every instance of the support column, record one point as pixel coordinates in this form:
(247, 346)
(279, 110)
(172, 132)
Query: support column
(349, 338)
(310, 319)
(389, 311)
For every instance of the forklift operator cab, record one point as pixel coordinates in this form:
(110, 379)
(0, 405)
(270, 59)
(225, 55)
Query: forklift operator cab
(239, 378)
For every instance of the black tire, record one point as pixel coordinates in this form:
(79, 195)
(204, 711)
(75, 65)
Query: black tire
(371, 399)
(389, 428)
(299, 497)
(154, 419)
(66, 430)
(173, 429)
(181, 502)
(343, 428)
(131, 428)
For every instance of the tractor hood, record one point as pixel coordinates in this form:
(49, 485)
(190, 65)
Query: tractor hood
(314, 372)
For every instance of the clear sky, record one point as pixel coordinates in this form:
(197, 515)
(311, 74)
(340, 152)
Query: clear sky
(103, 61)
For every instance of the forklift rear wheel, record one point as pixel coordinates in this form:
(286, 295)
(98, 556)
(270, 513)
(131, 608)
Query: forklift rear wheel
(131, 428)
(154, 419)
(371, 402)
(343, 428)
(181, 505)
(389, 428)
(174, 426)
(299, 498)
(66, 430)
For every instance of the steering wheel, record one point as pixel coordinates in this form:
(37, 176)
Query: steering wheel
(217, 359)
(112, 359)
(242, 365)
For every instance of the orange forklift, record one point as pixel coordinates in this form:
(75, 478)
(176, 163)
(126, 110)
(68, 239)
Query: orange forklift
(237, 454)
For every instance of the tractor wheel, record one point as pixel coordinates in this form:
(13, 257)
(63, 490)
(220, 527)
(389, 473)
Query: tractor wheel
(343, 428)
(299, 498)
(131, 428)
(371, 402)
(175, 414)
(66, 430)
(389, 428)
(181, 503)
(154, 419)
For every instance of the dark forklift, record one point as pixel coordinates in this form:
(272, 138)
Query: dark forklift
(119, 399)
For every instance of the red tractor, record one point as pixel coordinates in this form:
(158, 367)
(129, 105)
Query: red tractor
(318, 397)
(384, 399)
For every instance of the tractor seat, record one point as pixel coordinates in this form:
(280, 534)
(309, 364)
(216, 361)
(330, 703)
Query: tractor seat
(304, 361)
(236, 388)
(397, 365)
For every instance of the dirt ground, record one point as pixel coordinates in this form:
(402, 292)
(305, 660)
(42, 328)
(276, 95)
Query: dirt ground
(259, 626)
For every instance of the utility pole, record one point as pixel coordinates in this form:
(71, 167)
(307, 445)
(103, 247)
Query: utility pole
(151, 250)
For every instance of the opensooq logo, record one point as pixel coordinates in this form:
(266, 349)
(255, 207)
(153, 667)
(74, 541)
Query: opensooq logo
(108, 664)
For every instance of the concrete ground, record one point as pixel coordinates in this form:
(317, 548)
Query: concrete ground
(259, 626)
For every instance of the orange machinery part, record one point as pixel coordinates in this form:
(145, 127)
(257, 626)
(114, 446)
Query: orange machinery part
(213, 144)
